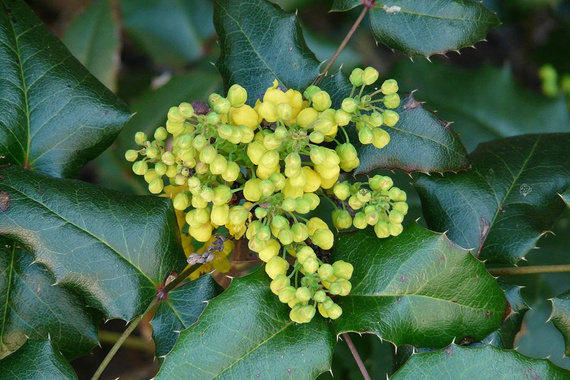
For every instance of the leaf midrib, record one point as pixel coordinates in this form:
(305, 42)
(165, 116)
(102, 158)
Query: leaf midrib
(118, 254)
(250, 43)
(405, 11)
(24, 87)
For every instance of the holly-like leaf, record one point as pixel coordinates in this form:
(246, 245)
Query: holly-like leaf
(93, 38)
(112, 248)
(182, 308)
(54, 115)
(417, 288)
(560, 317)
(31, 307)
(507, 200)
(428, 27)
(246, 333)
(170, 31)
(36, 360)
(485, 103)
(260, 42)
(566, 197)
(418, 142)
(486, 362)
(505, 336)
(345, 5)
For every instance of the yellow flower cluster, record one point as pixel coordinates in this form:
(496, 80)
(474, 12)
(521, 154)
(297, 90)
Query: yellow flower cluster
(259, 171)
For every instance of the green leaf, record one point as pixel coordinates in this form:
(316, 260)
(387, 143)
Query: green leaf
(260, 42)
(560, 317)
(150, 113)
(502, 206)
(93, 38)
(36, 360)
(486, 362)
(505, 336)
(170, 31)
(418, 142)
(182, 308)
(111, 247)
(430, 27)
(54, 115)
(417, 288)
(489, 103)
(31, 307)
(345, 5)
(246, 333)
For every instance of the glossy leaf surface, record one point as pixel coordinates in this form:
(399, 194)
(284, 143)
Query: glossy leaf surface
(112, 248)
(560, 316)
(261, 43)
(507, 200)
(54, 115)
(246, 333)
(417, 288)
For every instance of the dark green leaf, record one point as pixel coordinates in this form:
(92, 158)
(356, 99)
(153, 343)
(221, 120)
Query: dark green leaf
(486, 362)
(169, 31)
(560, 317)
(430, 27)
(485, 103)
(246, 333)
(93, 38)
(345, 5)
(182, 308)
(511, 326)
(418, 142)
(417, 288)
(151, 110)
(502, 206)
(36, 360)
(54, 115)
(111, 247)
(260, 42)
(31, 307)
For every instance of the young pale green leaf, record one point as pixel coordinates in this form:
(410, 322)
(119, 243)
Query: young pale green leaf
(417, 288)
(32, 308)
(171, 32)
(93, 38)
(485, 103)
(345, 5)
(54, 115)
(261, 43)
(430, 27)
(418, 142)
(502, 206)
(112, 248)
(36, 360)
(486, 362)
(246, 333)
(182, 308)
(560, 317)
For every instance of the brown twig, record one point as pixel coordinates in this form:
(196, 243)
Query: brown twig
(529, 270)
(356, 355)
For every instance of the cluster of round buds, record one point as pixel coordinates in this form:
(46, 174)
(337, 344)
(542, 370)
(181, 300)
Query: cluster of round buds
(257, 172)
(374, 203)
(367, 112)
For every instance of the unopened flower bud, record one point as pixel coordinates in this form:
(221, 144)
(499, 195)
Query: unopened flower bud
(356, 77)
(369, 76)
(389, 86)
(237, 95)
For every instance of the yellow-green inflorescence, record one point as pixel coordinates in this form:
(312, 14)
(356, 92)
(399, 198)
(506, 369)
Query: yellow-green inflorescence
(258, 171)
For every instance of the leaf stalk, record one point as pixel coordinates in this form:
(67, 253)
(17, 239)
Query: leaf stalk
(356, 355)
(529, 270)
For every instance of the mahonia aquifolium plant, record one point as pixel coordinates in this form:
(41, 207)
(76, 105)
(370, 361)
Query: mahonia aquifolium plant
(259, 171)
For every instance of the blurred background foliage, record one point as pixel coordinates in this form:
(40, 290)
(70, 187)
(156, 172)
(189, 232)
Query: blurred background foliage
(158, 53)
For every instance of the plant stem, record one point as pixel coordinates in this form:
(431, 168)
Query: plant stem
(530, 270)
(181, 277)
(132, 326)
(343, 43)
(357, 358)
(133, 342)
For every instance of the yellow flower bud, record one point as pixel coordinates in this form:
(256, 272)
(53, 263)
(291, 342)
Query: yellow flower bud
(244, 115)
(268, 111)
(181, 201)
(342, 269)
(381, 229)
(395, 229)
(392, 100)
(276, 266)
(251, 190)
(341, 219)
(232, 172)
(284, 111)
(220, 214)
(279, 283)
(271, 250)
(306, 117)
(391, 118)
(356, 77)
(369, 76)
(365, 136)
(341, 190)
(287, 294)
(203, 233)
(237, 95)
(140, 167)
(305, 253)
(278, 180)
(323, 238)
(313, 180)
(321, 100)
(255, 151)
(334, 311)
(389, 86)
